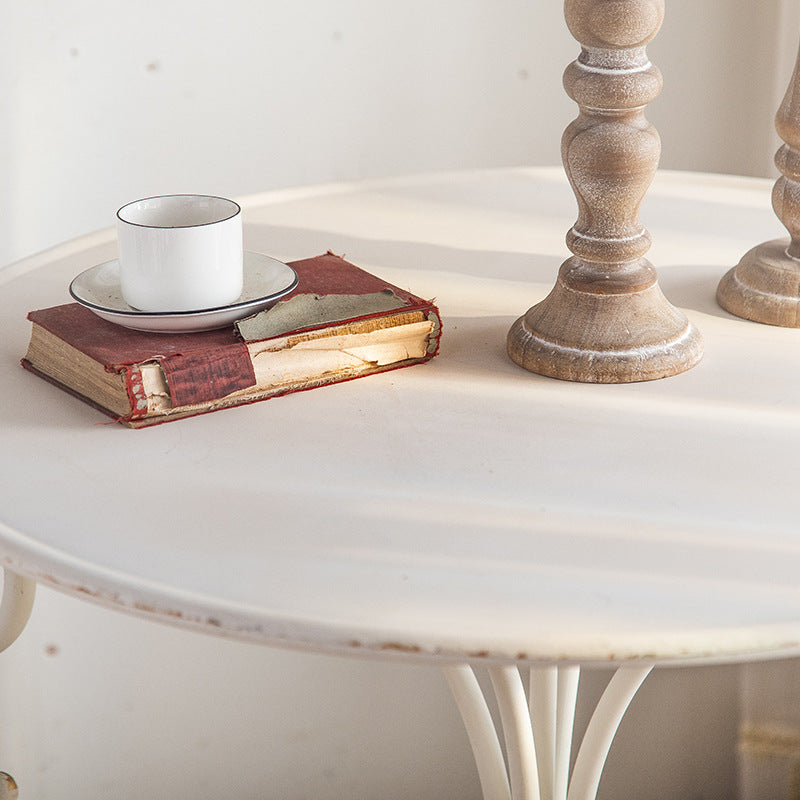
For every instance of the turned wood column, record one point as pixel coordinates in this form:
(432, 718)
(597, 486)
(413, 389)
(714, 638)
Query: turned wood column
(606, 320)
(765, 285)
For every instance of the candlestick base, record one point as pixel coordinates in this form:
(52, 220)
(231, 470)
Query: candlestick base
(605, 338)
(764, 286)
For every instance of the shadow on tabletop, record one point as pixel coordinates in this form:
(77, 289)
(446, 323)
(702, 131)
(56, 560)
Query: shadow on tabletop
(691, 287)
(472, 345)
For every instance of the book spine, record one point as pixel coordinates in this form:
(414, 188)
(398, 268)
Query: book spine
(137, 396)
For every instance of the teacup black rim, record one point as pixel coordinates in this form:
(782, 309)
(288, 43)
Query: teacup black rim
(236, 212)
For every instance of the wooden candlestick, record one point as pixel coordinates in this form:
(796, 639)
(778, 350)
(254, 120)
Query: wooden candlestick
(765, 285)
(606, 320)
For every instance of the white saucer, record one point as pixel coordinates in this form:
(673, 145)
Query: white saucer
(265, 281)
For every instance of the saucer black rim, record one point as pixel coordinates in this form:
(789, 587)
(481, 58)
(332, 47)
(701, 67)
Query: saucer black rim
(133, 312)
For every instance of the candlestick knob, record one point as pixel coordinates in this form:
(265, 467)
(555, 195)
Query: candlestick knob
(765, 285)
(606, 320)
(8, 787)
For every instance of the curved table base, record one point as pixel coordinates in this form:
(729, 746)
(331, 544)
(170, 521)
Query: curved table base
(16, 604)
(538, 731)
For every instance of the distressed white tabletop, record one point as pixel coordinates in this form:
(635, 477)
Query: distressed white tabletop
(463, 508)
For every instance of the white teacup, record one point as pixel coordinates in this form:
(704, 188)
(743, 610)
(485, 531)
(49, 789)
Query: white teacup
(180, 252)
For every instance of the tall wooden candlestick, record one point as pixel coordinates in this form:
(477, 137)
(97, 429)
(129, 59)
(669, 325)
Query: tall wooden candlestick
(606, 320)
(765, 285)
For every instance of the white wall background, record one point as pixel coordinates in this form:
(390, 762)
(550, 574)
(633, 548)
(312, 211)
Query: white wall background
(104, 101)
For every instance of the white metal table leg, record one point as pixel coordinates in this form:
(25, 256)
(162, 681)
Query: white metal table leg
(480, 730)
(515, 718)
(553, 693)
(538, 730)
(16, 604)
(601, 731)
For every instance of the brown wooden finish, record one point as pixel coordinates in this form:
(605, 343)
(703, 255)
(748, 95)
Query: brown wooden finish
(765, 285)
(8, 787)
(606, 320)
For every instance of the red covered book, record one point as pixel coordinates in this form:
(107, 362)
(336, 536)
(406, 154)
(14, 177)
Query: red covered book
(339, 323)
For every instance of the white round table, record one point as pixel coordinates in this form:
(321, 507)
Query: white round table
(463, 511)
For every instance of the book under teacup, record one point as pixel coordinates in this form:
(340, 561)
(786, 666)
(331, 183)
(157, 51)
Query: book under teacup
(339, 323)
